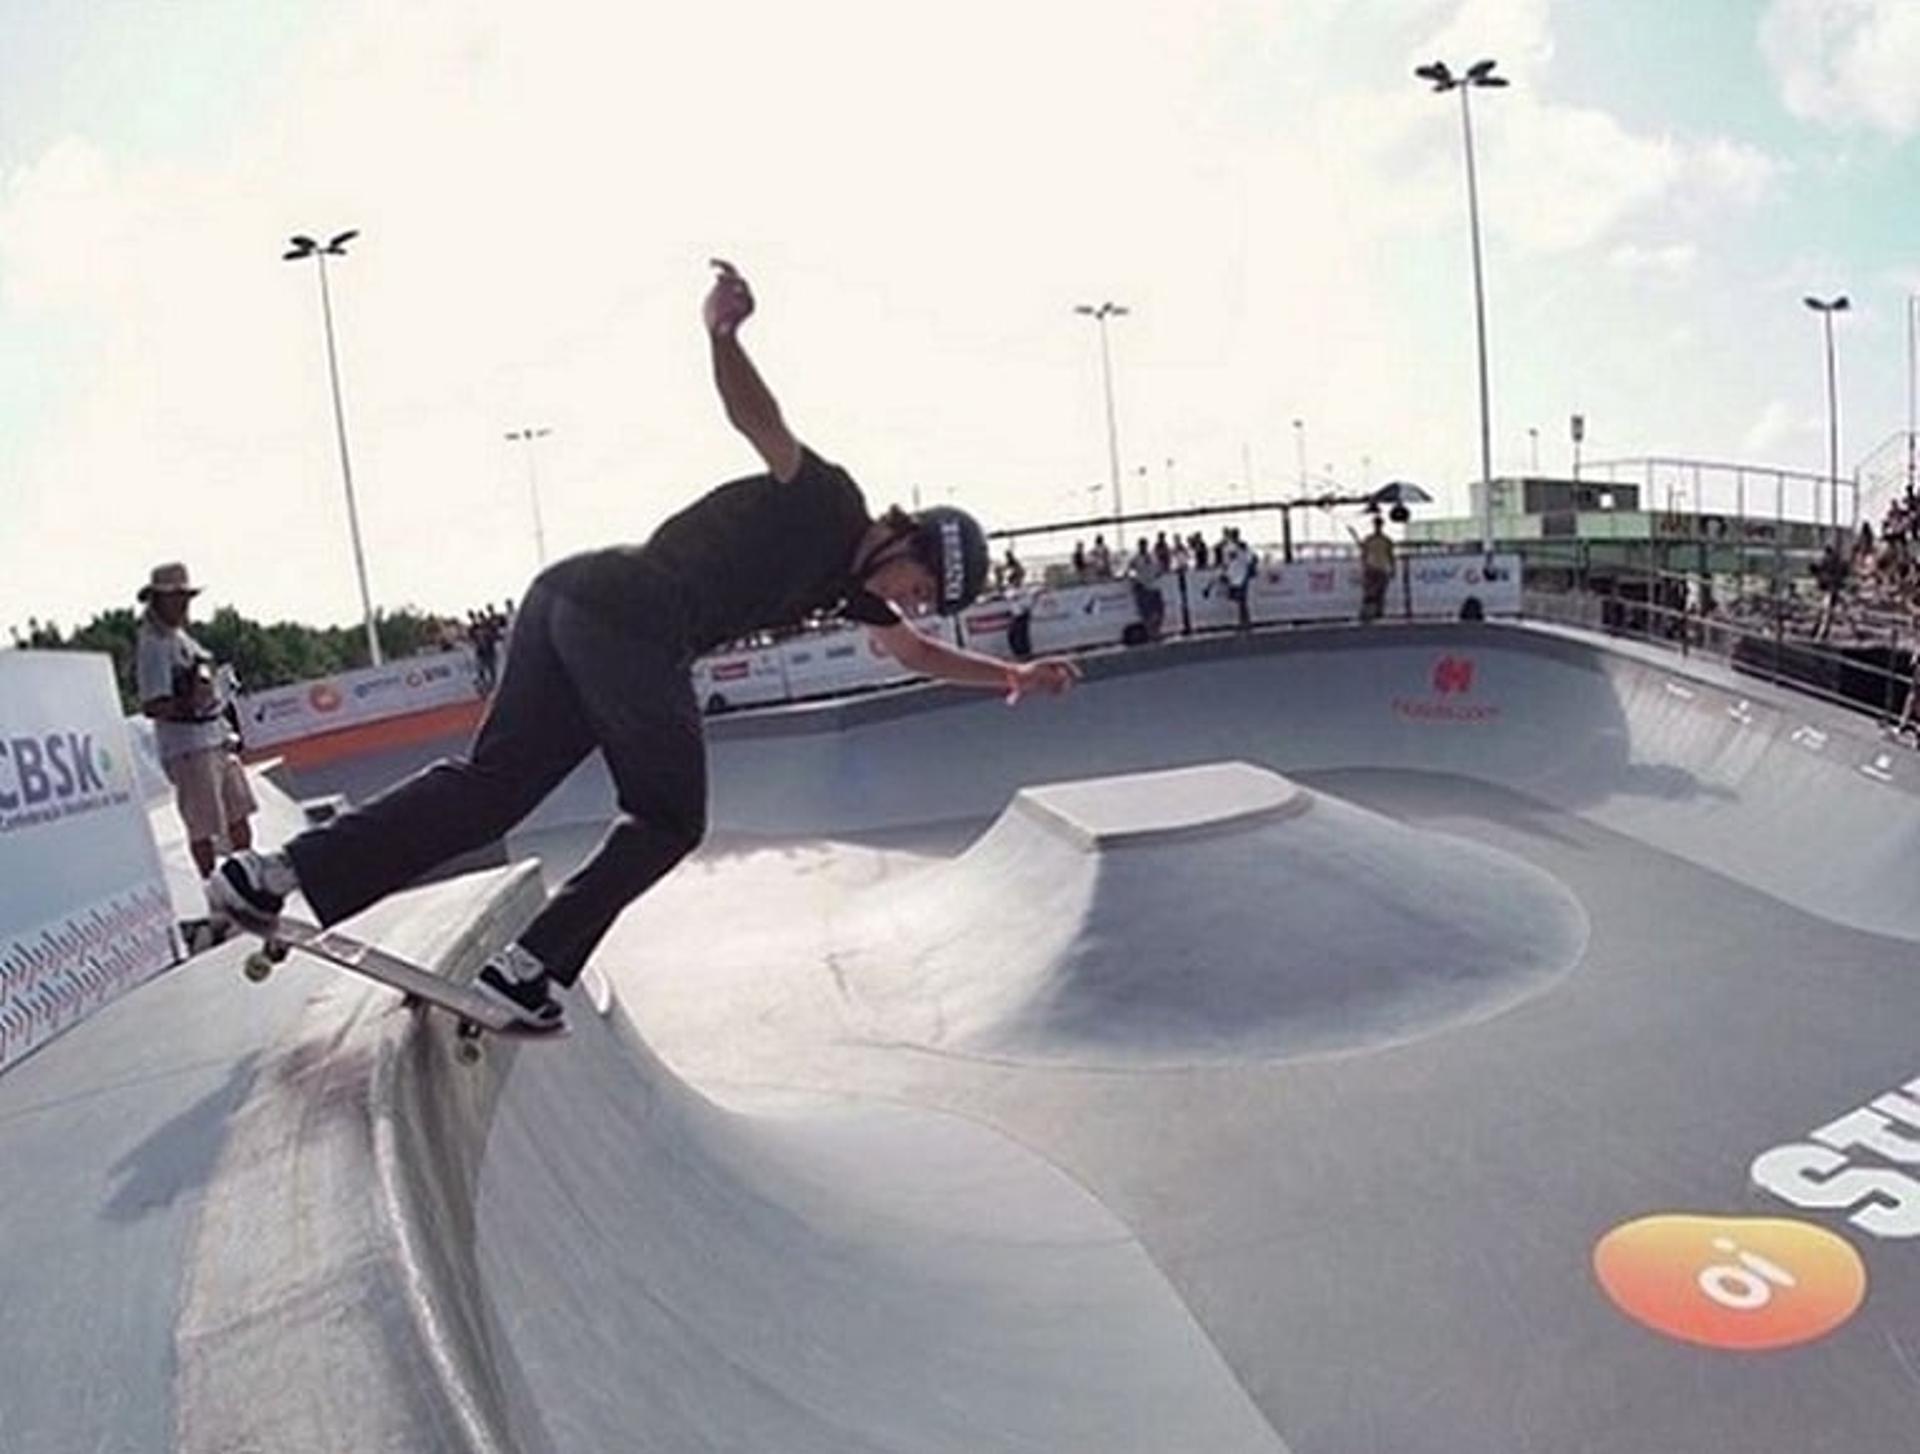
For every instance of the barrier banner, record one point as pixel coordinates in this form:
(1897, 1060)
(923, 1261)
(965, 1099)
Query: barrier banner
(843, 659)
(1065, 618)
(739, 679)
(395, 689)
(84, 909)
(1441, 584)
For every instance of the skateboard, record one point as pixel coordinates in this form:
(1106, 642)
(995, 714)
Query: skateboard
(473, 1013)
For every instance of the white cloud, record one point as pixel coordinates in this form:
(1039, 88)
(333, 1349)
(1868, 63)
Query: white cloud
(1780, 427)
(1665, 260)
(919, 196)
(1847, 62)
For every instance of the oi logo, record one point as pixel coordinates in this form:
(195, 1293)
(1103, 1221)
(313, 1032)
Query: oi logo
(1742, 1283)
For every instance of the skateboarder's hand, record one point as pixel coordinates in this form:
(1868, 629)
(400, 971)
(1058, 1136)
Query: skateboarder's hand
(1049, 677)
(729, 302)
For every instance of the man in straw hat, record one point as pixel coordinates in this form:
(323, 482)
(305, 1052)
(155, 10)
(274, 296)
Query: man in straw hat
(185, 695)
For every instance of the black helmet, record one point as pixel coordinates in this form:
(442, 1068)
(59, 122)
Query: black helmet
(953, 548)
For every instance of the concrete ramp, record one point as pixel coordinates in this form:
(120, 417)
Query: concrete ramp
(656, 1273)
(1251, 1051)
(1206, 913)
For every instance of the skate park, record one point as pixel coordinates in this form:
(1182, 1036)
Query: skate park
(1253, 1056)
(1303, 626)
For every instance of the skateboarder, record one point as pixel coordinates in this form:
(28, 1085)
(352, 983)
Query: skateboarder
(600, 657)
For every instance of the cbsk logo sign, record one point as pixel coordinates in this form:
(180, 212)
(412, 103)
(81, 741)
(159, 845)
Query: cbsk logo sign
(1739, 1283)
(56, 768)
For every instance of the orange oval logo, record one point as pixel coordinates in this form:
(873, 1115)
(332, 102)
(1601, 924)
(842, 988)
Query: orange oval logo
(324, 696)
(1743, 1283)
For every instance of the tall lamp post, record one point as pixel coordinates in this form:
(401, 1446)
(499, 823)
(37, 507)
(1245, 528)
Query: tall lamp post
(305, 247)
(1100, 315)
(528, 435)
(1913, 391)
(1479, 74)
(1826, 309)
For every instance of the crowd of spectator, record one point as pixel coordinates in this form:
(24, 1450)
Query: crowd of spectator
(1162, 556)
(1877, 582)
(485, 630)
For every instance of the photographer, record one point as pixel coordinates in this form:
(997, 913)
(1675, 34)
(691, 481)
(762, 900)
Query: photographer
(187, 696)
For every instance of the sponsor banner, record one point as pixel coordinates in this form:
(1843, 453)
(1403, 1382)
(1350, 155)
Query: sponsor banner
(84, 908)
(1441, 584)
(1065, 618)
(1059, 619)
(739, 679)
(843, 660)
(395, 689)
(57, 973)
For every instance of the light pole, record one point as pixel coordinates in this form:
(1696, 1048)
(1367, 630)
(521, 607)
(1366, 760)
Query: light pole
(1479, 74)
(1913, 390)
(1826, 309)
(1100, 315)
(527, 436)
(302, 248)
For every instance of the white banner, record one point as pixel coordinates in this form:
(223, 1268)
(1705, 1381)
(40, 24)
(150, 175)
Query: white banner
(739, 679)
(84, 909)
(825, 663)
(396, 689)
(1441, 584)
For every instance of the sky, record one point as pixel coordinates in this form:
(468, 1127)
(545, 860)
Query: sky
(920, 194)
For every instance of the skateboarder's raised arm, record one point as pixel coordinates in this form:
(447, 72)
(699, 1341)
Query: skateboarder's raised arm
(751, 407)
(926, 656)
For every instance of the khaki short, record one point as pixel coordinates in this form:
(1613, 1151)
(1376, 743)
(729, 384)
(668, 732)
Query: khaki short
(212, 791)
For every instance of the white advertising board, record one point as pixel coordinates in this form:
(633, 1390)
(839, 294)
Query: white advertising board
(824, 663)
(371, 694)
(1441, 584)
(739, 679)
(84, 909)
(1063, 618)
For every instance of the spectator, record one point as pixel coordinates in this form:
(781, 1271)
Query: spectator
(1144, 572)
(1830, 574)
(1163, 553)
(484, 631)
(1239, 564)
(188, 698)
(1100, 559)
(1910, 709)
(1012, 572)
(1198, 543)
(1376, 570)
(1080, 560)
(1182, 555)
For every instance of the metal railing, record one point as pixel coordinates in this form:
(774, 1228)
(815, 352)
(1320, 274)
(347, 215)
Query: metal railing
(1780, 637)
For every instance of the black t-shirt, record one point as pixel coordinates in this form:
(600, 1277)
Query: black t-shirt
(753, 555)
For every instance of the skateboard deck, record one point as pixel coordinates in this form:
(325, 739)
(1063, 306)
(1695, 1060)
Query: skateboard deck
(473, 1013)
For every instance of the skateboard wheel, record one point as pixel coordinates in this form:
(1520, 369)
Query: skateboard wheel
(467, 1053)
(258, 966)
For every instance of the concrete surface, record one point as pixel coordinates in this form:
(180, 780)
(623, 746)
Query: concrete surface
(1205, 1112)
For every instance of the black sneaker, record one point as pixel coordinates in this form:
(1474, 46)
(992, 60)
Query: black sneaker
(240, 889)
(529, 1001)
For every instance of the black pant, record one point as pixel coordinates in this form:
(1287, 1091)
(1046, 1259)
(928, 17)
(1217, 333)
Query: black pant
(573, 682)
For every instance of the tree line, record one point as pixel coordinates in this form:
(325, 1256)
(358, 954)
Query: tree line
(263, 656)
